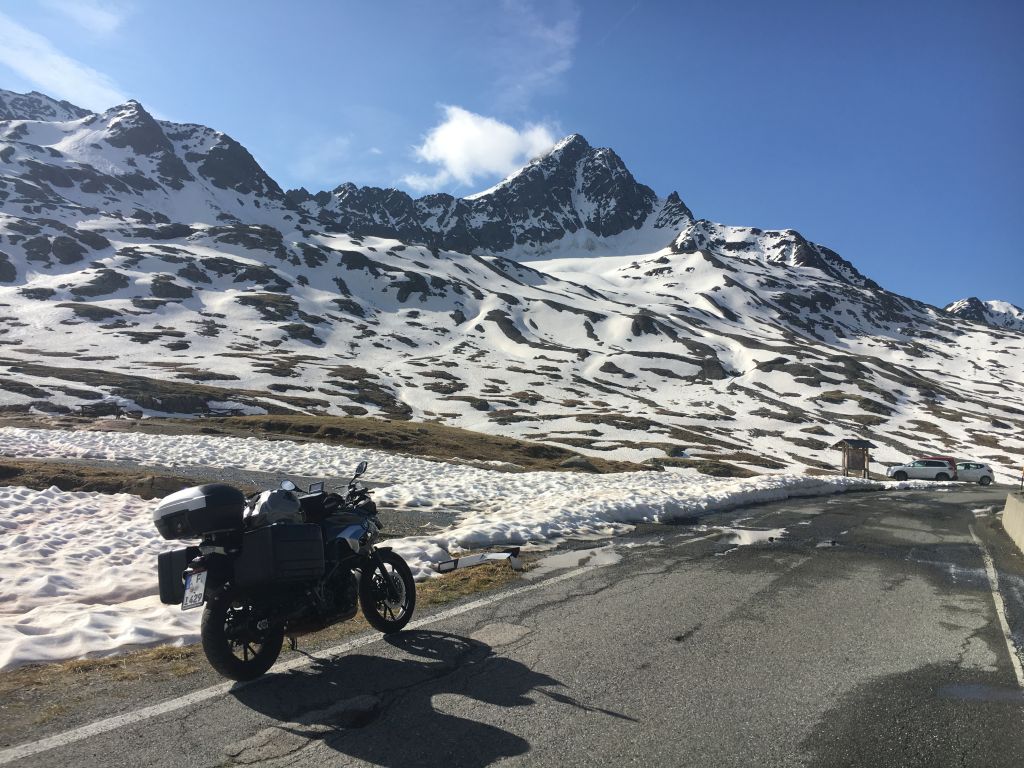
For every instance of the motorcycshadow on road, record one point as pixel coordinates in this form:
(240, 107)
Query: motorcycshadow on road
(381, 709)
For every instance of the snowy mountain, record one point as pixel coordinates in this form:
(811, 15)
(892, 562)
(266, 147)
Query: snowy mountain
(574, 193)
(36, 106)
(157, 265)
(1001, 314)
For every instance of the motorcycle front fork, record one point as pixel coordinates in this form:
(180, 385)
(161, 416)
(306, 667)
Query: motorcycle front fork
(377, 564)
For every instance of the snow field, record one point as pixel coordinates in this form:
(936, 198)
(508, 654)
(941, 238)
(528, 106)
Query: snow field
(78, 570)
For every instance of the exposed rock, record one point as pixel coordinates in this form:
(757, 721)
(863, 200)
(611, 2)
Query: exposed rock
(8, 272)
(164, 287)
(580, 463)
(90, 311)
(37, 106)
(103, 283)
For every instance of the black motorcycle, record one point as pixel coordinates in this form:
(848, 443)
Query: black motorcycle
(278, 564)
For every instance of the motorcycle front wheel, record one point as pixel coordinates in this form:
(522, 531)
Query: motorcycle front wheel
(387, 610)
(238, 640)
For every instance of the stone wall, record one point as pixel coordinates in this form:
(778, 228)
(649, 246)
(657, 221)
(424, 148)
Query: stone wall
(1013, 518)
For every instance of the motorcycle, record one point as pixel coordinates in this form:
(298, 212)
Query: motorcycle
(278, 564)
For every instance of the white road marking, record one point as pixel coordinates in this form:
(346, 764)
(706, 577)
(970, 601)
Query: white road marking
(993, 580)
(130, 718)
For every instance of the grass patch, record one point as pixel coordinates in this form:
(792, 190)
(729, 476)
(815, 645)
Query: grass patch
(42, 474)
(712, 467)
(458, 584)
(160, 395)
(752, 458)
(806, 442)
(50, 713)
(424, 439)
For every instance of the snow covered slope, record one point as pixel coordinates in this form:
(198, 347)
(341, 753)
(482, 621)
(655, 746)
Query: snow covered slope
(157, 264)
(1001, 314)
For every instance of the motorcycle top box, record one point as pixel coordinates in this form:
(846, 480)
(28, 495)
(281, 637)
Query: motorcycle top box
(194, 512)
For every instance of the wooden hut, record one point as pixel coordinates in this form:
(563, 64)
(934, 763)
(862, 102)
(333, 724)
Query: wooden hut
(856, 456)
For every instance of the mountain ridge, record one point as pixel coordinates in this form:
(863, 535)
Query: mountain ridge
(1001, 314)
(610, 213)
(155, 265)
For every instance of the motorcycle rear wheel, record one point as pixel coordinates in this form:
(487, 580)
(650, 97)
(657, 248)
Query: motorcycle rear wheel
(388, 614)
(233, 642)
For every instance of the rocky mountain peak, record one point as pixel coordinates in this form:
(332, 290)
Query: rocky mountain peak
(229, 165)
(784, 247)
(37, 106)
(574, 191)
(129, 125)
(1000, 314)
(569, 149)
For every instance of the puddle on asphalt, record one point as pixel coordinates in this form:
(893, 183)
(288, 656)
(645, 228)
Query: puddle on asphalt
(654, 542)
(573, 558)
(743, 537)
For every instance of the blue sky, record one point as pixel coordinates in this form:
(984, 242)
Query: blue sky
(892, 132)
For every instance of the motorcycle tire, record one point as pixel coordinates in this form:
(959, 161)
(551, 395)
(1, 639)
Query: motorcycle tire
(384, 614)
(232, 641)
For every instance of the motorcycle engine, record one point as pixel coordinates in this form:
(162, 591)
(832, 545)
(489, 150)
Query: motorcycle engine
(339, 594)
(345, 592)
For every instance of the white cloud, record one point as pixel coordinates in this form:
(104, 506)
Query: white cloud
(33, 57)
(101, 17)
(466, 146)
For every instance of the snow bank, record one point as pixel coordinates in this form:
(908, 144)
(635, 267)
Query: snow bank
(78, 577)
(78, 570)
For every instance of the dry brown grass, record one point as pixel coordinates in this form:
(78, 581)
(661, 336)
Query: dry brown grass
(40, 474)
(425, 439)
(708, 466)
(48, 713)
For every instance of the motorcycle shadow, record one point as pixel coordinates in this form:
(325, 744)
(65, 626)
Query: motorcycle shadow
(381, 708)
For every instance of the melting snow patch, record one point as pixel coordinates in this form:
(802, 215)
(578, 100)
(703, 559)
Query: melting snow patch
(743, 537)
(78, 570)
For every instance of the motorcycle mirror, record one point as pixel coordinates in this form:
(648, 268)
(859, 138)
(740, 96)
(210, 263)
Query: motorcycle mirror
(316, 487)
(287, 485)
(361, 468)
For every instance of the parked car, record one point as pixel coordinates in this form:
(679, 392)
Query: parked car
(974, 472)
(926, 468)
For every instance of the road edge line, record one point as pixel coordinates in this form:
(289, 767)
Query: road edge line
(993, 581)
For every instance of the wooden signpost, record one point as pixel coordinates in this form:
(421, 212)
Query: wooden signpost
(856, 456)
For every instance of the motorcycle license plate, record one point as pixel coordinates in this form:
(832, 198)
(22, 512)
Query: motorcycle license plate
(195, 588)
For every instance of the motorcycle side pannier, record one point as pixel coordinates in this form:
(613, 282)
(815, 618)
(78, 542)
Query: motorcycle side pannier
(170, 567)
(193, 512)
(280, 553)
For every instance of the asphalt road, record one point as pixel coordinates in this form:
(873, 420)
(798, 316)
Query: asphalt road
(866, 635)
